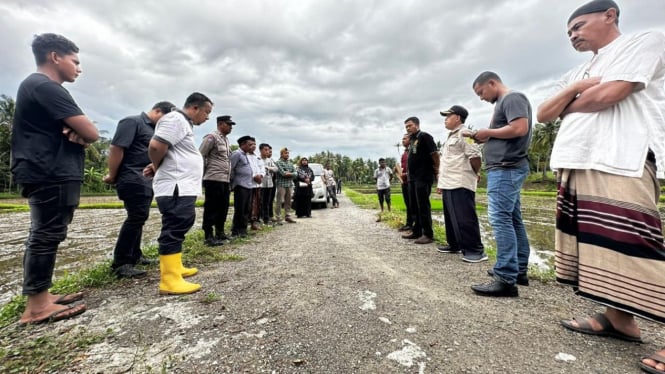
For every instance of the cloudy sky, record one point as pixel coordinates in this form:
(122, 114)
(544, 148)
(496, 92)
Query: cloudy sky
(334, 75)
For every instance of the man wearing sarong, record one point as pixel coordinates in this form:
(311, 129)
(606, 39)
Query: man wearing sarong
(609, 243)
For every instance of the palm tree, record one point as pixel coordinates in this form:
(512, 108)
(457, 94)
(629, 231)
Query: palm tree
(7, 109)
(542, 141)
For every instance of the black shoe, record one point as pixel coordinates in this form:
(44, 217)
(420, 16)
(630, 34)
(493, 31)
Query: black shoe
(212, 242)
(447, 249)
(221, 237)
(522, 279)
(129, 271)
(496, 288)
(411, 236)
(147, 261)
(405, 228)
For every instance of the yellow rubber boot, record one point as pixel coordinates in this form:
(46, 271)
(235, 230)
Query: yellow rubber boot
(171, 281)
(188, 272)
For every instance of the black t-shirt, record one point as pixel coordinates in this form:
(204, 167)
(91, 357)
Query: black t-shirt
(421, 165)
(133, 134)
(40, 152)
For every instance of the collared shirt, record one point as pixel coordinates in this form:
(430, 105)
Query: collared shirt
(616, 140)
(258, 168)
(382, 177)
(420, 163)
(241, 170)
(182, 165)
(455, 171)
(133, 135)
(216, 154)
(271, 169)
(284, 166)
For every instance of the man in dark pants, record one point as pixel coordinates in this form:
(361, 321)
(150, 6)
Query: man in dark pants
(423, 165)
(49, 132)
(216, 153)
(404, 181)
(242, 183)
(177, 167)
(267, 184)
(458, 179)
(128, 156)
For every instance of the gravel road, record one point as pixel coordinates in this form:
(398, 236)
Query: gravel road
(340, 293)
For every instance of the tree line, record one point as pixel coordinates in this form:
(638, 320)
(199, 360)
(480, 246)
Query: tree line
(357, 170)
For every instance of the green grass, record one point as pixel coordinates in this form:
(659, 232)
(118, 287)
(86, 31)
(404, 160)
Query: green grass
(23, 350)
(366, 198)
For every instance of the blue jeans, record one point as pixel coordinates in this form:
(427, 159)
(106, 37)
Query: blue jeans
(512, 244)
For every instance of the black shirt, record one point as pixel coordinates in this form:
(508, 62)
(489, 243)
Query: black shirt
(133, 134)
(421, 165)
(40, 152)
(509, 153)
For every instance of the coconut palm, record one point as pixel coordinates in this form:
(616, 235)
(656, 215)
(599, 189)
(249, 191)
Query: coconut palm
(542, 141)
(7, 108)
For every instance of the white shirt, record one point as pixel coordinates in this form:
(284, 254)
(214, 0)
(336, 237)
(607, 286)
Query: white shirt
(382, 178)
(182, 165)
(616, 140)
(258, 167)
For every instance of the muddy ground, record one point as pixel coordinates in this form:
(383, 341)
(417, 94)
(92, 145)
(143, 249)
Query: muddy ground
(340, 293)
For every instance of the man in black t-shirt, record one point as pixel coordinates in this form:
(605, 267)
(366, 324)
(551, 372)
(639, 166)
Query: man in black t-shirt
(128, 156)
(48, 138)
(423, 165)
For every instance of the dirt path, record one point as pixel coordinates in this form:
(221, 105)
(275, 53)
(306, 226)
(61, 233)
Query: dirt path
(339, 293)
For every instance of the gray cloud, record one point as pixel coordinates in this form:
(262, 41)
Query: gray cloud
(325, 75)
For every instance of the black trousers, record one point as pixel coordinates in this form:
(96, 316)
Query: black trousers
(461, 221)
(215, 206)
(51, 211)
(136, 199)
(178, 216)
(242, 203)
(267, 199)
(407, 203)
(419, 192)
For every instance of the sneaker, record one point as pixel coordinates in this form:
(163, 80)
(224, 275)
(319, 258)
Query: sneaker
(447, 249)
(289, 220)
(475, 258)
(129, 271)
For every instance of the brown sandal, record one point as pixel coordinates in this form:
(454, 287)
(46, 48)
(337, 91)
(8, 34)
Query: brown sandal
(658, 357)
(584, 327)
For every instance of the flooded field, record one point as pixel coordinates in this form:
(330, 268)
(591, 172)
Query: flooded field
(90, 239)
(93, 232)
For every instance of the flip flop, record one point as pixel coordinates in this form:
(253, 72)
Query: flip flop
(584, 327)
(656, 357)
(70, 298)
(69, 312)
